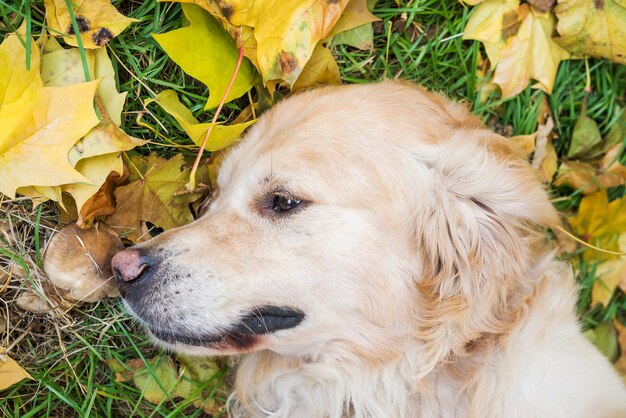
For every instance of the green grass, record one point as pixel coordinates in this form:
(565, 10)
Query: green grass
(415, 40)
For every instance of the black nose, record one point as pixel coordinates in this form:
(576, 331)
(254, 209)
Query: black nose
(130, 267)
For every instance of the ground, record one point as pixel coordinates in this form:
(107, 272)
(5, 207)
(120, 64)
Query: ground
(415, 40)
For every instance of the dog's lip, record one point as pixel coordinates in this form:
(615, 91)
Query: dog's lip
(267, 319)
(174, 337)
(256, 322)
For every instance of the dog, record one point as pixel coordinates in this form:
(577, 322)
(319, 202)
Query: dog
(374, 251)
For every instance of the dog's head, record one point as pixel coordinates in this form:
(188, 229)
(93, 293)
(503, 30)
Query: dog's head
(364, 215)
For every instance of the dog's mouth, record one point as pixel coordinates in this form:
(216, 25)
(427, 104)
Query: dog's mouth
(242, 334)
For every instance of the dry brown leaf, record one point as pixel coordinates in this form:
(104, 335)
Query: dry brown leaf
(29, 301)
(585, 177)
(611, 165)
(103, 202)
(545, 159)
(151, 197)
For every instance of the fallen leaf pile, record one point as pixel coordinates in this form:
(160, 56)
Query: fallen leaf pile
(52, 131)
(279, 40)
(526, 41)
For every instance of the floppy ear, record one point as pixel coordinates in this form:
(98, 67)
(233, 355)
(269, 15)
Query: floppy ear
(476, 236)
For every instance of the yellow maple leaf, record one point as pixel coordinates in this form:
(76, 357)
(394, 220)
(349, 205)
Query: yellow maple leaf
(97, 154)
(608, 277)
(39, 124)
(487, 25)
(98, 21)
(279, 38)
(592, 27)
(221, 137)
(10, 371)
(354, 15)
(603, 225)
(530, 54)
(95, 157)
(64, 67)
(286, 33)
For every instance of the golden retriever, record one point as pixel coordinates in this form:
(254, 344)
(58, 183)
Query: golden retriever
(374, 251)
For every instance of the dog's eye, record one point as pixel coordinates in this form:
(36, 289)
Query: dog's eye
(284, 203)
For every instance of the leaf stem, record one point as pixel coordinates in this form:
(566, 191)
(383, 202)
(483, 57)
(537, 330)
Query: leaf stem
(586, 244)
(192, 176)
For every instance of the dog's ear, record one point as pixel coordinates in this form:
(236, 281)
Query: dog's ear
(476, 223)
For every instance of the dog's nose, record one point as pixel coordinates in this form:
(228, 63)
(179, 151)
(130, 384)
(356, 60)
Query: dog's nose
(128, 266)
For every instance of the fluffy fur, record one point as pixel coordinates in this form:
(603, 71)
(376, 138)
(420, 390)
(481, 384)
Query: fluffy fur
(417, 257)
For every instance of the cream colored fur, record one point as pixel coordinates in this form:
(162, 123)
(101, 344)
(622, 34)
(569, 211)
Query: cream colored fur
(420, 264)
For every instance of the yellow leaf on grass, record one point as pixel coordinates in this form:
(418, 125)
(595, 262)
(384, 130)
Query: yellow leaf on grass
(608, 277)
(484, 83)
(151, 197)
(601, 224)
(98, 21)
(163, 376)
(354, 15)
(205, 51)
(39, 124)
(488, 24)
(221, 137)
(530, 54)
(592, 27)
(64, 67)
(10, 371)
(525, 142)
(321, 69)
(354, 27)
(286, 32)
